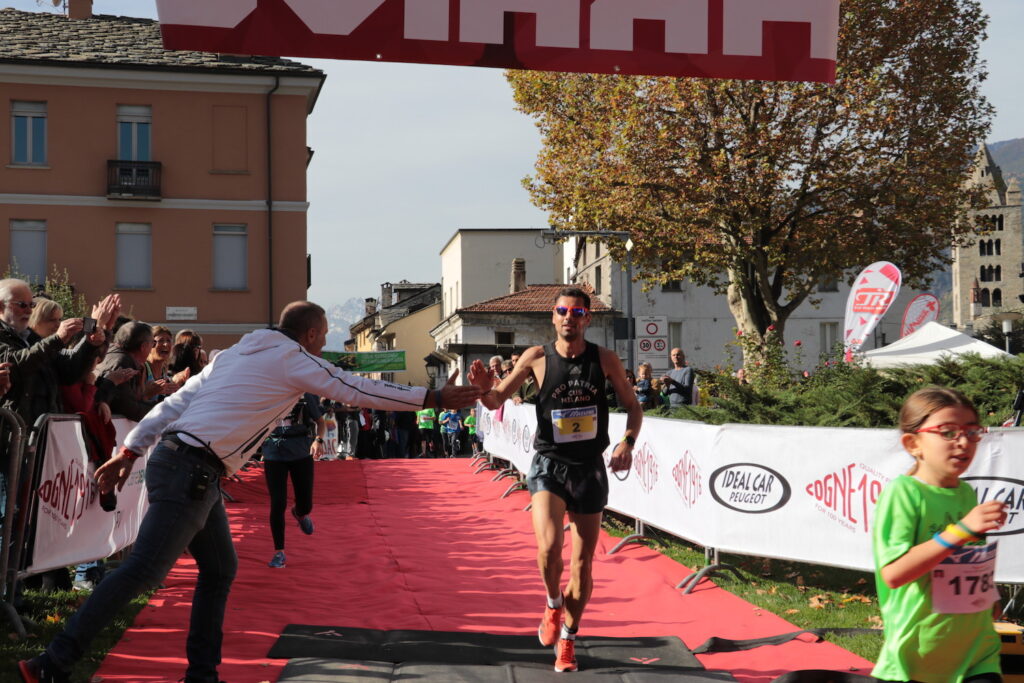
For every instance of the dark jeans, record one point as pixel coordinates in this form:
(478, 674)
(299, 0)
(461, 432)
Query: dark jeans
(277, 472)
(173, 522)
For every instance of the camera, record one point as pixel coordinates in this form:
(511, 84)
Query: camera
(88, 325)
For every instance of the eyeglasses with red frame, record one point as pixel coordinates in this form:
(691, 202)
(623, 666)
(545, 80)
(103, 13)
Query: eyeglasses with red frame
(576, 311)
(951, 432)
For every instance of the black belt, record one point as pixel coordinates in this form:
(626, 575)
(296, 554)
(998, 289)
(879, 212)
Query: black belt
(174, 443)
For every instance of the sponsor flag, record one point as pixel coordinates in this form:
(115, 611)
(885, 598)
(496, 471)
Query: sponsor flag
(781, 40)
(922, 309)
(873, 293)
(367, 361)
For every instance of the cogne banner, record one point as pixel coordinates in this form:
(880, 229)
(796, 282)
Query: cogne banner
(922, 309)
(797, 493)
(783, 40)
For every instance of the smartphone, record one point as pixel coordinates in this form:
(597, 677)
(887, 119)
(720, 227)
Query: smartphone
(88, 325)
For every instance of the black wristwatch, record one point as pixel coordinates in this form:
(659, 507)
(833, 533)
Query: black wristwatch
(629, 441)
(319, 439)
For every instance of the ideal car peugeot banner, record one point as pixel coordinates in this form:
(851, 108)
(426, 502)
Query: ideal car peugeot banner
(71, 527)
(874, 290)
(781, 40)
(797, 493)
(922, 309)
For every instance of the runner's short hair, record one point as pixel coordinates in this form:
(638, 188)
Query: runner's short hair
(574, 293)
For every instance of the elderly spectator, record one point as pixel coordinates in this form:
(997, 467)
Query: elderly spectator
(678, 383)
(129, 350)
(494, 364)
(46, 317)
(40, 365)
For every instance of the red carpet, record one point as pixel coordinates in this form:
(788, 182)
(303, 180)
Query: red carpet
(420, 544)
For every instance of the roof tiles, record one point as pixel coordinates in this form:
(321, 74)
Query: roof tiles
(533, 299)
(112, 41)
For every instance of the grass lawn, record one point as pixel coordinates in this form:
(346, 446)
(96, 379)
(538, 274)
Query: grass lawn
(50, 611)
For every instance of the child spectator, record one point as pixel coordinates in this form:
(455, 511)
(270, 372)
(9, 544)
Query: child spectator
(929, 546)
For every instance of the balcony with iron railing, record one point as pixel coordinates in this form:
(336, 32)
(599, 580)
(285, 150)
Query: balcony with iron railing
(133, 179)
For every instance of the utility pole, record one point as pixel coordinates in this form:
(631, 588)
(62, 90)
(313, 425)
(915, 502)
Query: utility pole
(552, 236)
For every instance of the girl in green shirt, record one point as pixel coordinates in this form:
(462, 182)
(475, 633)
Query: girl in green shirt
(935, 570)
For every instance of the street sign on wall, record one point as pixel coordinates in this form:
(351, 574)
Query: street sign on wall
(652, 342)
(782, 40)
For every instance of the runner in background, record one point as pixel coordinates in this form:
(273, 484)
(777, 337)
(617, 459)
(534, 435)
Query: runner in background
(934, 568)
(425, 420)
(470, 423)
(568, 470)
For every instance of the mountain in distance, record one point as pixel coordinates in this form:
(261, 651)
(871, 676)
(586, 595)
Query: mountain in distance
(339, 318)
(1009, 156)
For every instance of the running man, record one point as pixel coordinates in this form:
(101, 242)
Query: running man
(568, 473)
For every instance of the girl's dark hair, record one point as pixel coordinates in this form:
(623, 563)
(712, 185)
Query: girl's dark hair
(185, 356)
(130, 336)
(920, 405)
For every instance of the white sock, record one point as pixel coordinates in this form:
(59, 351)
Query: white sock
(567, 634)
(555, 603)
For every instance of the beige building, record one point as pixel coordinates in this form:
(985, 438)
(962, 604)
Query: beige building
(401, 321)
(148, 172)
(987, 274)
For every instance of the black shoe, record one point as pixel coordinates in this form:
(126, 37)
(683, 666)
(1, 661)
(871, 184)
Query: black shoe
(41, 670)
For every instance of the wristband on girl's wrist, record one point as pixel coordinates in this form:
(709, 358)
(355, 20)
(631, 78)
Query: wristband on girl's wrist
(943, 542)
(974, 534)
(962, 534)
(131, 455)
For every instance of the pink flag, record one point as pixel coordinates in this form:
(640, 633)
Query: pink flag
(922, 309)
(778, 40)
(873, 293)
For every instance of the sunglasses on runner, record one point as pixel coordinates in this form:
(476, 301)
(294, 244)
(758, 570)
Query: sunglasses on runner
(577, 311)
(952, 432)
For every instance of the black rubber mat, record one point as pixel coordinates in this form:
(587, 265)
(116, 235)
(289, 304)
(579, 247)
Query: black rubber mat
(335, 653)
(314, 670)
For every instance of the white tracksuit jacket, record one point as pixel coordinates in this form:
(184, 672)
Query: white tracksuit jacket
(239, 397)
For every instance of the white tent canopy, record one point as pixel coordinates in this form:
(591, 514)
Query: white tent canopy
(927, 345)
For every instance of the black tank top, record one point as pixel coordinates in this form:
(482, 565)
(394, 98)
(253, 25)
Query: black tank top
(572, 407)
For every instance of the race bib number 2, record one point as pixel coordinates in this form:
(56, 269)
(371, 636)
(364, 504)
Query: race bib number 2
(574, 424)
(964, 582)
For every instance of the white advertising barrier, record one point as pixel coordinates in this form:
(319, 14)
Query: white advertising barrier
(71, 527)
(797, 493)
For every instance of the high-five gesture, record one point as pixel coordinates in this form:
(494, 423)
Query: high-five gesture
(455, 396)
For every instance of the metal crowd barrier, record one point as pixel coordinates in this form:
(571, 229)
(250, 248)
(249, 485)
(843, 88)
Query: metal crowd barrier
(16, 515)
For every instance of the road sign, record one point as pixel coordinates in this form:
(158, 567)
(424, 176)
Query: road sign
(652, 342)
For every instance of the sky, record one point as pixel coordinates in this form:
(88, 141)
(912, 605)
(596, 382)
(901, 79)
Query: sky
(406, 154)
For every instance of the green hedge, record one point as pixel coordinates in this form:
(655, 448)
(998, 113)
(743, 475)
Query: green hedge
(851, 395)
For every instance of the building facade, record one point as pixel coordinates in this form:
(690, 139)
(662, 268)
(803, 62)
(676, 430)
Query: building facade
(175, 178)
(987, 274)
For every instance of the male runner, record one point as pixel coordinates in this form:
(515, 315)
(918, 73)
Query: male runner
(567, 473)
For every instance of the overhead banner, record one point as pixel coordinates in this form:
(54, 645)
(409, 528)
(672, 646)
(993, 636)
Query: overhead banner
(922, 309)
(873, 292)
(367, 361)
(71, 527)
(779, 40)
(746, 488)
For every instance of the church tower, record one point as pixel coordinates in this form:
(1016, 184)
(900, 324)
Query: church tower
(987, 274)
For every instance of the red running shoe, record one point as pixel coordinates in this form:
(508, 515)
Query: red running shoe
(565, 655)
(550, 625)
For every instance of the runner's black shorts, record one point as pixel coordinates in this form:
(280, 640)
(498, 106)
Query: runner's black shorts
(584, 488)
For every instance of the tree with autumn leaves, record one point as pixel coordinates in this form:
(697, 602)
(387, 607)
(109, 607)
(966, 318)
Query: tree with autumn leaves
(764, 189)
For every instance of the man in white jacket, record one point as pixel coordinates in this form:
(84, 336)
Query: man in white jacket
(208, 429)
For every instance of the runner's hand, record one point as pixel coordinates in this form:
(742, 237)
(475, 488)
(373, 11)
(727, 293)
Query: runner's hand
(622, 457)
(986, 517)
(454, 396)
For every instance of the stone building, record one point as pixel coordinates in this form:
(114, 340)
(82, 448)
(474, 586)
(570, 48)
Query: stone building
(988, 272)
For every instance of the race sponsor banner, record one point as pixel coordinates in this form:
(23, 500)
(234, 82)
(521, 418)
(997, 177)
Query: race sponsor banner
(796, 493)
(787, 40)
(367, 361)
(876, 288)
(71, 527)
(922, 309)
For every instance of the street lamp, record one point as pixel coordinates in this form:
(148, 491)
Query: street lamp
(553, 236)
(431, 374)
(1008, 318)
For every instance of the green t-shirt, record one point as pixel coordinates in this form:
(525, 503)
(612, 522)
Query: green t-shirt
(425, 418)
(470, 423)
(919, 644)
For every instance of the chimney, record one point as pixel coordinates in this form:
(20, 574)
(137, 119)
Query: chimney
(79, 9)
(385, 294)
(518, 282)
(371, 306)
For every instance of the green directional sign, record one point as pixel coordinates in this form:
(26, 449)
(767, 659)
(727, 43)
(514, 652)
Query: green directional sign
(367, 361)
